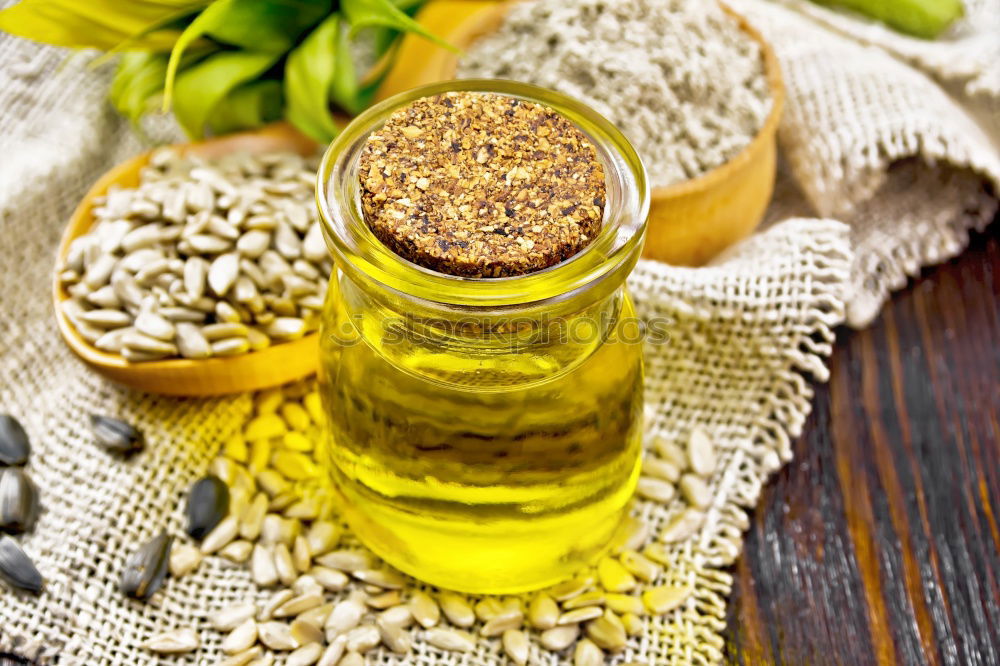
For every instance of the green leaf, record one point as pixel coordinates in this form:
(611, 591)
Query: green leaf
(371, 13)
(248, 106)
(101, 24)
(138, 79)
(309, 75)
(259, 25)
(344, 84)
(202, 86)
(267, 25)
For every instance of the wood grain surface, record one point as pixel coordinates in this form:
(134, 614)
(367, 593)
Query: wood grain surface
(879, 543)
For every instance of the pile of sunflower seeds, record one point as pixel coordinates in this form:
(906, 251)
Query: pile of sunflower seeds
(201, 259)
(333, 601)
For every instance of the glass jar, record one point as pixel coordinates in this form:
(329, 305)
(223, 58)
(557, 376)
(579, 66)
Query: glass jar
(484, 432)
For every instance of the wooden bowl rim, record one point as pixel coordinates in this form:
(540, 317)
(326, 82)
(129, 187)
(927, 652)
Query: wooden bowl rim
(273, 137)
(487, 20)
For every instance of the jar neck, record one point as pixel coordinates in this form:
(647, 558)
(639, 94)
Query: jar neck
(583, 280)
(473, 348)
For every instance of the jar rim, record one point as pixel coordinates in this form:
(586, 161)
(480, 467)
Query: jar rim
(361, 255)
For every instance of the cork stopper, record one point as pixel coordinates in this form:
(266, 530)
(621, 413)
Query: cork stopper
(481, 185)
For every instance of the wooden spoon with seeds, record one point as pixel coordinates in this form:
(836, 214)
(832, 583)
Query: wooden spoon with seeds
(275, 365)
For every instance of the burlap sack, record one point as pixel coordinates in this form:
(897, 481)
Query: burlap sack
(751, 331)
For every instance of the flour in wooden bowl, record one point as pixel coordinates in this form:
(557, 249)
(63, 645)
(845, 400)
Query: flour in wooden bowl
(679, 77)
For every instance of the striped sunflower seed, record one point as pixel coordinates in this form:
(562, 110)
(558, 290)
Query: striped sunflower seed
(147, 567)
(14, 444)
(17, 569)
(207, 506)
(18, 500)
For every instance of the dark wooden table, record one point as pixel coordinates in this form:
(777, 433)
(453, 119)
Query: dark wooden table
(880, 543)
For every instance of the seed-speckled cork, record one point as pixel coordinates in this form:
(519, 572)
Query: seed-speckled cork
(481, 185)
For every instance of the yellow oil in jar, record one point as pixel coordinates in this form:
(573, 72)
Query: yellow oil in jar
(480, 476)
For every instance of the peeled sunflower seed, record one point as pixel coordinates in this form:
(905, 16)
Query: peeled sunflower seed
(230, 617)
(345, 616)
(663, 599)
(394, 636)
(587, 654)
(424, 609)
(457, 609)
(241, 638)
(683, 525)
(207, 505)
(14, 445)
(450, 639)
(184, 559)
(608, 632)
(145, 570)
(221, 536)
(559, 638)
(115, 435)
(276, 635)
(18, 500)
(17, 569)
(363, 638)
(352, 659)
(543, 612)
(305, 656)
(177, 641)
(701, 453)
(333, 653)
(515, 644)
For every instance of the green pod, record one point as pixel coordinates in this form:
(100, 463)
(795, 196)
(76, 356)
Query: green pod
(920, 18)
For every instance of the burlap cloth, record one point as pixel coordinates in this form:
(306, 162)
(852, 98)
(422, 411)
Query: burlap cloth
(866, 139)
